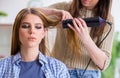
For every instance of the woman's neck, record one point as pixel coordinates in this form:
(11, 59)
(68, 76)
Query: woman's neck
(29, 54)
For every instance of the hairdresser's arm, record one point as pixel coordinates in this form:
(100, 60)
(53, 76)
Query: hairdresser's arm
(59, 13)
(97, 55)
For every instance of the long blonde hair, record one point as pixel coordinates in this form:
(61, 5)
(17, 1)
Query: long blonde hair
(47, 22)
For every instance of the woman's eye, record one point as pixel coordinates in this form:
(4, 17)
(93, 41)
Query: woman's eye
(25, 26)
(38, 27)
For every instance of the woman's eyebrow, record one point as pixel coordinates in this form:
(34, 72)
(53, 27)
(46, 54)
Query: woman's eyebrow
(38, 24)
(25, 23)
(29, 23)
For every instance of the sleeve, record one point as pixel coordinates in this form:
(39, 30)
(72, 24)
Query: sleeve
(107, 43)
(62, 71)
(2, 66)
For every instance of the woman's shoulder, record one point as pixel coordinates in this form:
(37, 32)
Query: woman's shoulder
(5, 60)
(60, 5)
(4, 63)
(54, 61)
(110, 17)
(56, 64)
(58, 67)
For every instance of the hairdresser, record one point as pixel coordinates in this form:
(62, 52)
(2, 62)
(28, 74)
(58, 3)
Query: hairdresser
(86, 51)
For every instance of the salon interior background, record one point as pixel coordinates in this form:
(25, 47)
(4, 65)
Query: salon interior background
(12, 7)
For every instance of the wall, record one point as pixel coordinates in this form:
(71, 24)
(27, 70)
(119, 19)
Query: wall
(116, 14)
(12, 7)
(5, 39)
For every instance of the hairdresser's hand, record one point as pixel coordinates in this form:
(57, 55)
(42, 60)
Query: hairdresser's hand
(81, 29)
(62, 14)
(65, 15)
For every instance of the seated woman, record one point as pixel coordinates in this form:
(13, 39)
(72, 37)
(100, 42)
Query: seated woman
(28, 52)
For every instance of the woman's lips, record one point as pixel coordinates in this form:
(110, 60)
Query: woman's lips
(31, 38)
(86, 1)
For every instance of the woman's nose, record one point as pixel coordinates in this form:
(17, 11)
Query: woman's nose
(31, 30)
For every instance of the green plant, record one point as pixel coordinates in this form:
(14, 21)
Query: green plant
(3, 13)
(109, 72)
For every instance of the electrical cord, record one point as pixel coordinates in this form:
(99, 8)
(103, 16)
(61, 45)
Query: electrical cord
(110, 24)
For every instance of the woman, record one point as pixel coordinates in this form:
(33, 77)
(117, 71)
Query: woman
(28, 49)
(83, 49)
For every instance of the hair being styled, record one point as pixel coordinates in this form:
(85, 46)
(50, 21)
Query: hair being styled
(101, 9)
(47, 22)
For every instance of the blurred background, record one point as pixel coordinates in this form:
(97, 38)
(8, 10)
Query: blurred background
(10, 8)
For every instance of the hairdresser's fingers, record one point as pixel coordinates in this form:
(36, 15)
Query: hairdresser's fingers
(78, 22)
(82, 22)
(66, 15)
(84, 28)
(75, 24)
(78, 26)
(71, 27)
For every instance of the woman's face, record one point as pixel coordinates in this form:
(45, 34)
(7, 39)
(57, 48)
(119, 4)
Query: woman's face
(89, 4)
(31, 31)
